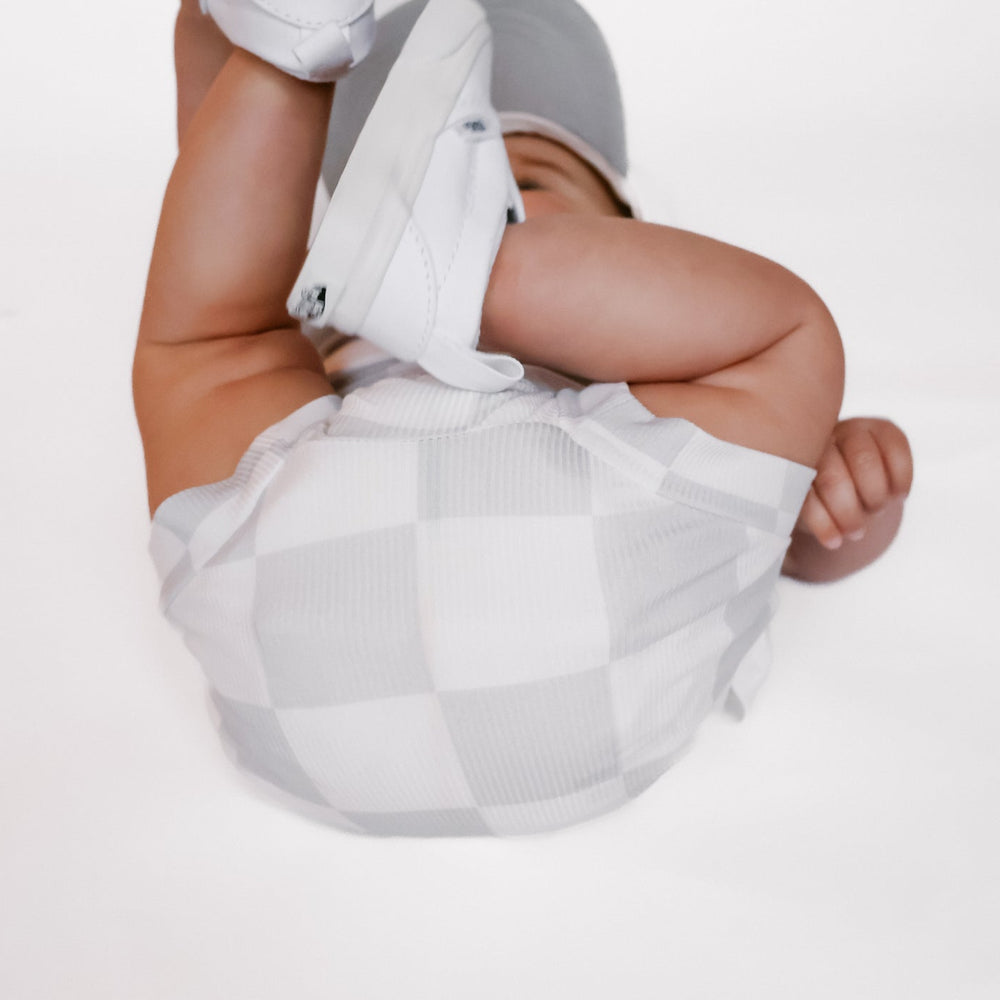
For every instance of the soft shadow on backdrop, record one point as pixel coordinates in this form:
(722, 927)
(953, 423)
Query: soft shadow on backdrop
(840, 842)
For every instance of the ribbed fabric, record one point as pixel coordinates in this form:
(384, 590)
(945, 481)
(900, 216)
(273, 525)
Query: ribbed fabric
(430, 612)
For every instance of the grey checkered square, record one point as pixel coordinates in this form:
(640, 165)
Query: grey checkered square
(672, 541)
(257, 738)
(532, 742)
(339, 621)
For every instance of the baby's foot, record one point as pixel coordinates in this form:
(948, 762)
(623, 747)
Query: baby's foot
(405, 251)
(314, 40)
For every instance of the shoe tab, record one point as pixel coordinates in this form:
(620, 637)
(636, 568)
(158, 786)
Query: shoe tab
(333, 49)
(467, 368)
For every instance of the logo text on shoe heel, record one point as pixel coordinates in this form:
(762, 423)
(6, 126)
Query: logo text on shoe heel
(481, 128)
(312, 305)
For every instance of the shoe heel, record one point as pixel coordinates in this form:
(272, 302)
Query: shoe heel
(371, 204)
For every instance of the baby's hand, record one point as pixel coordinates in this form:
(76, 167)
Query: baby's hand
(866, 465)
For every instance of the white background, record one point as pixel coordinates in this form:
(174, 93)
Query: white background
(842, 842)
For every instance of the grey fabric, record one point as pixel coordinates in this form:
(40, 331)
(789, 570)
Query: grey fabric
(429, 612)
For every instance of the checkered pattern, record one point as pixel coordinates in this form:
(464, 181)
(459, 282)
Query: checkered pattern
(430, 612)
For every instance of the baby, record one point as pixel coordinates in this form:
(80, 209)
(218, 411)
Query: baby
(459, 595)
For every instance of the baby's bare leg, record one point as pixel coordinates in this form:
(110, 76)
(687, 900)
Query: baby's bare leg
(613, 299)
(236, 213)
(200, 52)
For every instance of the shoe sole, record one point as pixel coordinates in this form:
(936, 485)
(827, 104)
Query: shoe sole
(374, 199)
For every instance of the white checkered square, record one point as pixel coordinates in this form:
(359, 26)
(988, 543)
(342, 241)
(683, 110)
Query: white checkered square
(412, 403)
(391, 755)
(510, 600)
(763, 551)
(354, 487)
(663, 569)
(495, 473)
(215, 613)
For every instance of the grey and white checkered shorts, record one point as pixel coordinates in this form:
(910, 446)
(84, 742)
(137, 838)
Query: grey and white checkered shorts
(430, 612)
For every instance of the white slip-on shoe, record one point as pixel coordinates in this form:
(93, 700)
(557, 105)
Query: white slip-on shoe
(314, 40)
(404, 253)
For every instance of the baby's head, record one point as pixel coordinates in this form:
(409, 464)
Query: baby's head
(555, 88)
